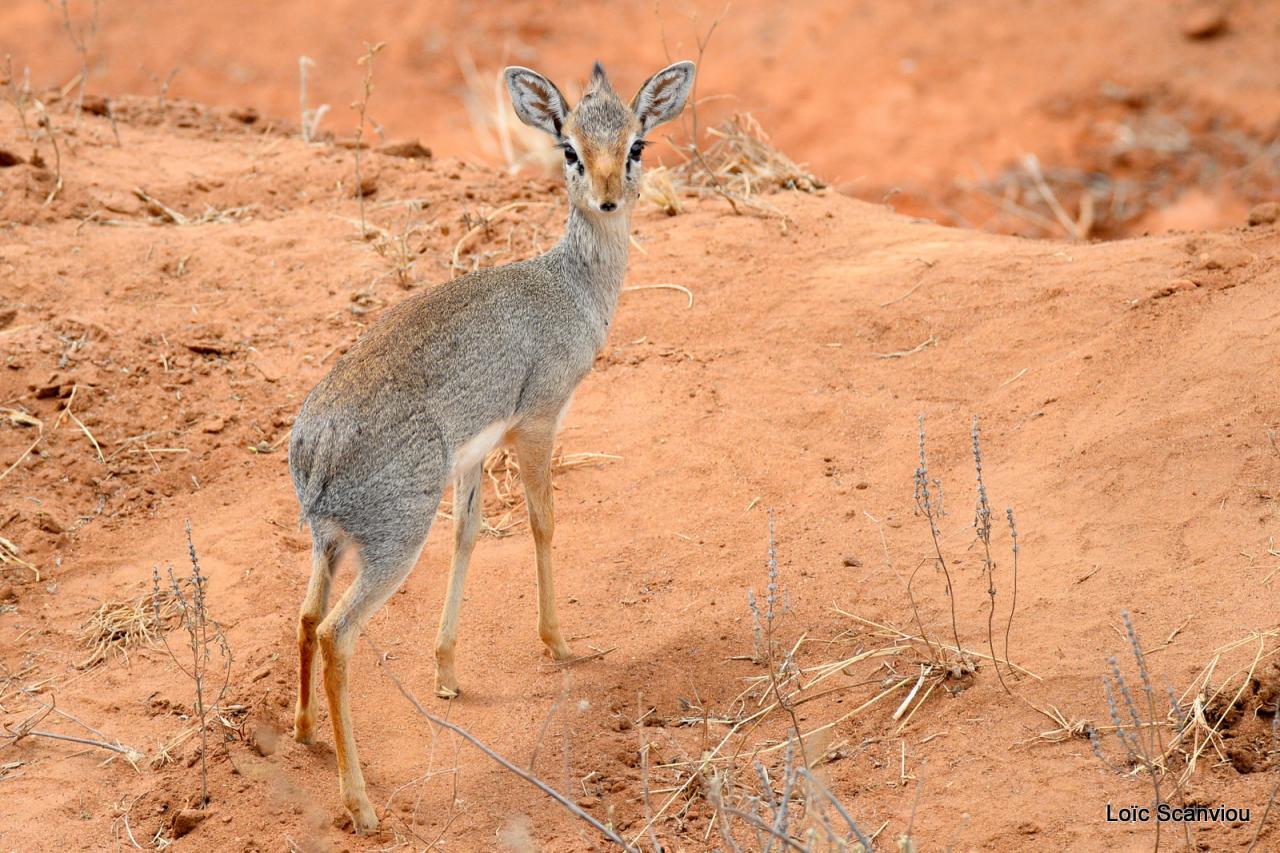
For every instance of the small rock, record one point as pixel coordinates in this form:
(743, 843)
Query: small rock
(8, 594)
(1259, 214)
(261, 673)
(265, 740)
(49, 523)
(863, 485)
(96, 105)
(8, 158)
(210, 347)
(413, 150)
(1225, 258)
(214, 425)
(621, 723)
(1204, 20)
(247, 115)
(852, 562)
(588, 802)
(1176, 286)
(186, 820)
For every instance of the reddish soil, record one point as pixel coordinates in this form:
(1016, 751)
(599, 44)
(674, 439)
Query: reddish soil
(1126, 393)
(927, 105)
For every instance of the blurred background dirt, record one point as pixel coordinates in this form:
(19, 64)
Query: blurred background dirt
(1166, 114)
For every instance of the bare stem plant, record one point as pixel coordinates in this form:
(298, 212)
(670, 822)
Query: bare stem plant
(51, 132)
(162, 84)
(308, 117)
(982, 526)
(362, 107)
(929, 504)
(1141, 739)
(81, 37)
(18, 94)
(203, 634)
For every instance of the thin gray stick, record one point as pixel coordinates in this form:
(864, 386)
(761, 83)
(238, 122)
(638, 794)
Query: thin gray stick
(764, 827)
(131, 754)
(822, 789)
(568, 805)
(1267, 811)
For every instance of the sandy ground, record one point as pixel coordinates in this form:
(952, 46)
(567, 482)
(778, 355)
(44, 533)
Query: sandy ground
(1128, 411)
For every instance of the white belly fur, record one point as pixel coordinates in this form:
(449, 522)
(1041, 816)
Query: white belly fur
(477, 448)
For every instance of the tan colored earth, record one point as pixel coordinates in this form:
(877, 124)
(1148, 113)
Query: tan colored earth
(165, 311)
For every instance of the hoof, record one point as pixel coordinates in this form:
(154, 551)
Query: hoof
(304, 733)
(363, 819)
(447, 692)
(560, 652)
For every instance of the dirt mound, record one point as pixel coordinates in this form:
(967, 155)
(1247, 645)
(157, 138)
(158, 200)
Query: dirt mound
(164, 314)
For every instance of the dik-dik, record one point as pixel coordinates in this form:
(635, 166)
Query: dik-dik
(446, 376)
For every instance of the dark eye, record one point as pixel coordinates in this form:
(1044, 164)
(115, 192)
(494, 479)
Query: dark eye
(570, 156)
(636, 149)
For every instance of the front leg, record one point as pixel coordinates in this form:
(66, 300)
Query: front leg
(466, 524)
(533, 444)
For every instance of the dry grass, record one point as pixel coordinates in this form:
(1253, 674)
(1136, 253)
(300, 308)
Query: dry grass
(761, 793)
(659, 189)
(1139, 153)
(499, 134)
(116, 626)
(741, 166)
(9, 556)
(1196, 719)
(503, 500)
(744, 162)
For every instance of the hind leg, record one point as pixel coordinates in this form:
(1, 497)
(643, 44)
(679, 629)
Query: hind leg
(466, 524)
(325, 551)
(386, 562)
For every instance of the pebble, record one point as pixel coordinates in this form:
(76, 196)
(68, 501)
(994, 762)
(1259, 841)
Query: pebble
(186, 820)
(1265, 213)
(1225, 258)
(1204, 21)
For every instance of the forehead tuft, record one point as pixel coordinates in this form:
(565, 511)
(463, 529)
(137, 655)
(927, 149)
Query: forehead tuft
(602, 117)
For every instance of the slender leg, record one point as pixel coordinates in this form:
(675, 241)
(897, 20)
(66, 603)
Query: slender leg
(533, 443)
(384, 567)
(466, 524)
(324, 556)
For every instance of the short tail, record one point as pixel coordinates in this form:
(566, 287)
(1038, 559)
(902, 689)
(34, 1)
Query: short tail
(307, 456)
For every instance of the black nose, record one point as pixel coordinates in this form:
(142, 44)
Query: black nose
(608, 205)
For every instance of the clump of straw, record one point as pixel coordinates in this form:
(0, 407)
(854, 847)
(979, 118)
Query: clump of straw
(503, 498)
(742, 161)
(117, 625)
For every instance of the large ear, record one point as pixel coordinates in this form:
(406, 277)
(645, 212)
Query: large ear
(536, 99)
(662, 96)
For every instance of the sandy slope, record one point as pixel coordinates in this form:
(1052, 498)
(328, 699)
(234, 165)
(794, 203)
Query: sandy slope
(1127, 426)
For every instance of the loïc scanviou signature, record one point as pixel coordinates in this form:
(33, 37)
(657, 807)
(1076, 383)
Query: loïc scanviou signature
(1166, 813)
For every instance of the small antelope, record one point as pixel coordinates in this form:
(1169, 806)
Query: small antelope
(446, 376)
